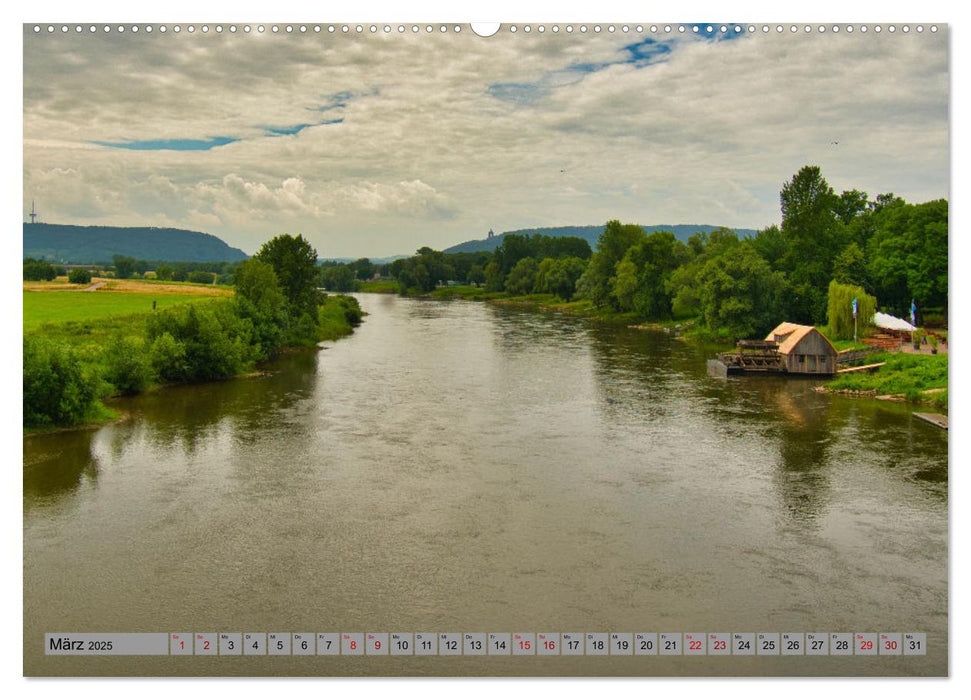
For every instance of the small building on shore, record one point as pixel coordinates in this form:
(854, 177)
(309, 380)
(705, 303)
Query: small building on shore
(789, 349)
(803, 349)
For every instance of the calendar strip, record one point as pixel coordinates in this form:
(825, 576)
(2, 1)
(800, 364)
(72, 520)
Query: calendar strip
(496, 644)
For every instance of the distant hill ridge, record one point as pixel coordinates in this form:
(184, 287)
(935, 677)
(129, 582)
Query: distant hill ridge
(590, 233)
(91, 244)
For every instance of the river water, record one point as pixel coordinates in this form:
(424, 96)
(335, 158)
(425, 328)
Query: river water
(463, 467)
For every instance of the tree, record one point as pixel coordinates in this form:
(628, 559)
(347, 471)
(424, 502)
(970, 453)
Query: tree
(36, 270)
(476, 275)
(201, 277)
(339, 278)
(79, 275)
(772, 245)
(740, 295)
(521, 277)
(850, 266)
(363, 269)
(685, 282)
(57, 390)
(810, 227)
(294, 261)
(259, 299)
(494, 279)
(164, 272)
(562, 278)
(840, 310)
(642, 280)
(124, 266)
(611, 248)
(908, 254)
(849, 205)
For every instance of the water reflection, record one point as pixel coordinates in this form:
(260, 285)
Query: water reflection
(56, 464)
(191, 417)
(483, 467)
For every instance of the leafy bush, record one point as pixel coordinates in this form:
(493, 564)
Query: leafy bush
(128, 366)
(201, 277)
(36, 270)
(205, 342)
(79, 276)
(57, 391)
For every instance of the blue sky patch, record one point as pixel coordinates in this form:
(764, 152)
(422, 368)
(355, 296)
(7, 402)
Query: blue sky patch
(170, 144)
(639, 54)
(286, 130)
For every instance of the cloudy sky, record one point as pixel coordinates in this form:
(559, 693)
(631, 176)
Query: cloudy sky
(376, 144)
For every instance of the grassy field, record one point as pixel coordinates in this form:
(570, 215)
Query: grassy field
(907, 375)
(379, 287)
(59, 302)
(40, 308)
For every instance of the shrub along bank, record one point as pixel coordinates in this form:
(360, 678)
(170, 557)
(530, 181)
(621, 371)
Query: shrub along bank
(66, 372)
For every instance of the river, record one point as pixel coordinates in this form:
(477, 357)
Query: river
(458, 466)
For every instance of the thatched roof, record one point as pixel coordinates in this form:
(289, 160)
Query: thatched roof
(789, 335)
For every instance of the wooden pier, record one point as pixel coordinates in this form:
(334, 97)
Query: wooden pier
(934, 419)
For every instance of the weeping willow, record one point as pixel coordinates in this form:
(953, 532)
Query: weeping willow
(840, 310)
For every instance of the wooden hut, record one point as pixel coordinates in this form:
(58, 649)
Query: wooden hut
(803, 349)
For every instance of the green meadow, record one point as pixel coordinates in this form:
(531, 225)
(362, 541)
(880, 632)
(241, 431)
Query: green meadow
(64, 307)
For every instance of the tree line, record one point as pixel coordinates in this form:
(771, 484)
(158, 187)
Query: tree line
(884, 248)
(277, 305)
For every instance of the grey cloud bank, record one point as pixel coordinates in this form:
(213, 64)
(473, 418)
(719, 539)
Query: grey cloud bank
(379, 144)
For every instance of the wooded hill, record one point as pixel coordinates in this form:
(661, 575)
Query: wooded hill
(91, 244)
(589, 233)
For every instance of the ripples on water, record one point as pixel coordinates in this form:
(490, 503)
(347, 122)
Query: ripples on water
(462, 467)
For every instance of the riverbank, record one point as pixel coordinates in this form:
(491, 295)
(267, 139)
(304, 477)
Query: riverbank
(905, 377)
(70, 366)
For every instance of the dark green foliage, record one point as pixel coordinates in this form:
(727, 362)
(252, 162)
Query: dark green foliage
(36, 270)
(559, 276)
(179, 275)
(476, 275)
(124, 266)
(295, 263)
(127, 365)
(164, 272)
(495, 280)
(849, 267)
(849, 205)
(423, 271)
(685, 282)
(642, 279)
(57, 391)
(94, 244)
(339, 278)
(79, 276)
(908, 254)
(810, 227)
(740, 296)
(614, 242)
(260, 301)
(589, 234)
(521, 278)
(198, 342)
(201, 277)
(772, 245)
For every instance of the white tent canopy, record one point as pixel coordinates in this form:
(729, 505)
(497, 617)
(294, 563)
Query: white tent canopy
(891, 323)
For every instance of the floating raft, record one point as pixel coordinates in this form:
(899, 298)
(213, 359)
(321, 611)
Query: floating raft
(933, 418)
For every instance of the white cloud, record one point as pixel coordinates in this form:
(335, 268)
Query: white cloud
(425, 155)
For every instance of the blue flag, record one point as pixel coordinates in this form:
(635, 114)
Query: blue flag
(913, 313)
(854, 307)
